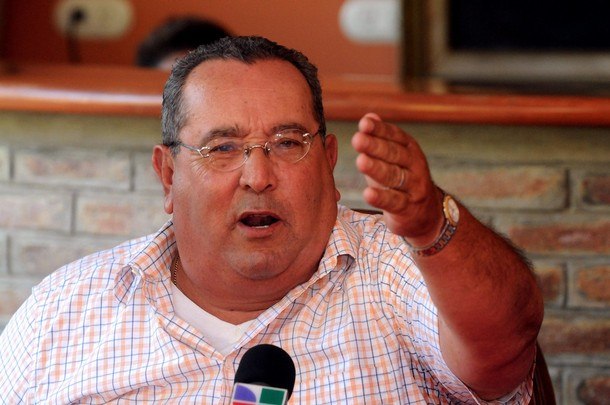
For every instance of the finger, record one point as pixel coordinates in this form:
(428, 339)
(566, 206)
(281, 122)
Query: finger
(382, 174)
(367, 122)
(371, 124)
(379, 148)
(391, 201)
(370, 182)
(375, 184)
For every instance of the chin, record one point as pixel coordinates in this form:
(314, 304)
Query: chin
(257, 266)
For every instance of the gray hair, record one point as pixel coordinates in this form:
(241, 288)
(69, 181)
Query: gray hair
(244, 49)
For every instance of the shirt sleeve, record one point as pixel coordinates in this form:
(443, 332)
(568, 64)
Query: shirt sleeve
(17, 350)
(418, 322)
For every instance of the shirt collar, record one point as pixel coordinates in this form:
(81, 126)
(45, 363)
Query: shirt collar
(343, 242)
(148, 259)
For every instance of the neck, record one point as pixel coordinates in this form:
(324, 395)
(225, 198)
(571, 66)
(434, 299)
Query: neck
(233, 304)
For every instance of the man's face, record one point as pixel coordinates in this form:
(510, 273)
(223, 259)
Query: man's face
(268, 220)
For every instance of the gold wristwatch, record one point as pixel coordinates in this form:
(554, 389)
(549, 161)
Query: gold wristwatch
(451, 213)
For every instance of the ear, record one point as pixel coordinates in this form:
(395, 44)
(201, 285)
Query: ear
(163, 163)
(331, 148)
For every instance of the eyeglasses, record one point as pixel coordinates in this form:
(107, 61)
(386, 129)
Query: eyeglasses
(229, 153)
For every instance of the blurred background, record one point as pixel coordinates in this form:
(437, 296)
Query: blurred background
(31, 31)
(546, 46)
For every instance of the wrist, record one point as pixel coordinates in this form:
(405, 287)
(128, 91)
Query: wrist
(451, 216)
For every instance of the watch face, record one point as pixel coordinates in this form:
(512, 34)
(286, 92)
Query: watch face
(452, 212)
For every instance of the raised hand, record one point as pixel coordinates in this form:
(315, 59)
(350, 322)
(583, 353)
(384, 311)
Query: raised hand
(398, 180)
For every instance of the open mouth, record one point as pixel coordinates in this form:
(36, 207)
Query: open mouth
(259, 221)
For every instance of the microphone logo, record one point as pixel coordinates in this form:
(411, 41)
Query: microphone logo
(251, 394)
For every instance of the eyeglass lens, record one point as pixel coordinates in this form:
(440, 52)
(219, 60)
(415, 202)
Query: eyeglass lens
(226, 154)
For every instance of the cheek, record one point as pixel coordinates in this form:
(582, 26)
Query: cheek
(191, 196)
(200, 216)
(315, 190)
(207, 193)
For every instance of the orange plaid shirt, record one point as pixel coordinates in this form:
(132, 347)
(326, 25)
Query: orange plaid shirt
(362, 330)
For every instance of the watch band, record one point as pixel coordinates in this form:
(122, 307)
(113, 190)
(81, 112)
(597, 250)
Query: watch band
(447, 232)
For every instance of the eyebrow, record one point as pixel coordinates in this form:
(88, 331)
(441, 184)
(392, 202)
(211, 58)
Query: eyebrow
(234, 132)
(228, 132)
(290, 125)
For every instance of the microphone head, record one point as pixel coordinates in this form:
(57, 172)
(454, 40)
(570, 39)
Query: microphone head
(267, 365)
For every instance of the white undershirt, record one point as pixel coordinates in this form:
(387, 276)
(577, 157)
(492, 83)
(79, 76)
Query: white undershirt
(218, 333)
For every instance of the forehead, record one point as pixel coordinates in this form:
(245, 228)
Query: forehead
(230, 89)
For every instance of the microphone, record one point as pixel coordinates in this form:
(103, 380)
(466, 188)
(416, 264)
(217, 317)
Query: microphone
(265, 376)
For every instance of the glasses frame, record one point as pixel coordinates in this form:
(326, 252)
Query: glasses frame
(247, 149)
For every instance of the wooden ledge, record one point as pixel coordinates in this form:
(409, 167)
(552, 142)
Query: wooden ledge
(131, 91)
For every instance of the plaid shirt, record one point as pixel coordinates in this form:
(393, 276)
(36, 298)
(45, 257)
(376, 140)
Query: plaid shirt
(362, 330)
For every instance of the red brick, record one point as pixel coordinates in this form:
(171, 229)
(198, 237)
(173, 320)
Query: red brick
(596, 189)
(124, 215)
(505, 186)
(552, 282)
(39, 256)
(594, 390)
(145, 176)
(584, 336)
(35, 210)
(73, 167)
(558, 234)
(593, 284)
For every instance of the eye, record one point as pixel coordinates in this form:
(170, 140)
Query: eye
(288, 143)
(222, 147)
(290, 138)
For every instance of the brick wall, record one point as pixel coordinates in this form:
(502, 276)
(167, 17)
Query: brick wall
(70, 185)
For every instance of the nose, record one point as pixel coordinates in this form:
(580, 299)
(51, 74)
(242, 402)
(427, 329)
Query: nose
(258, 172)
(264, 148)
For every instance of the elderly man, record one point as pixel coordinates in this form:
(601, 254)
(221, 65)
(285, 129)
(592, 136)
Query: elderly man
(422, 304)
